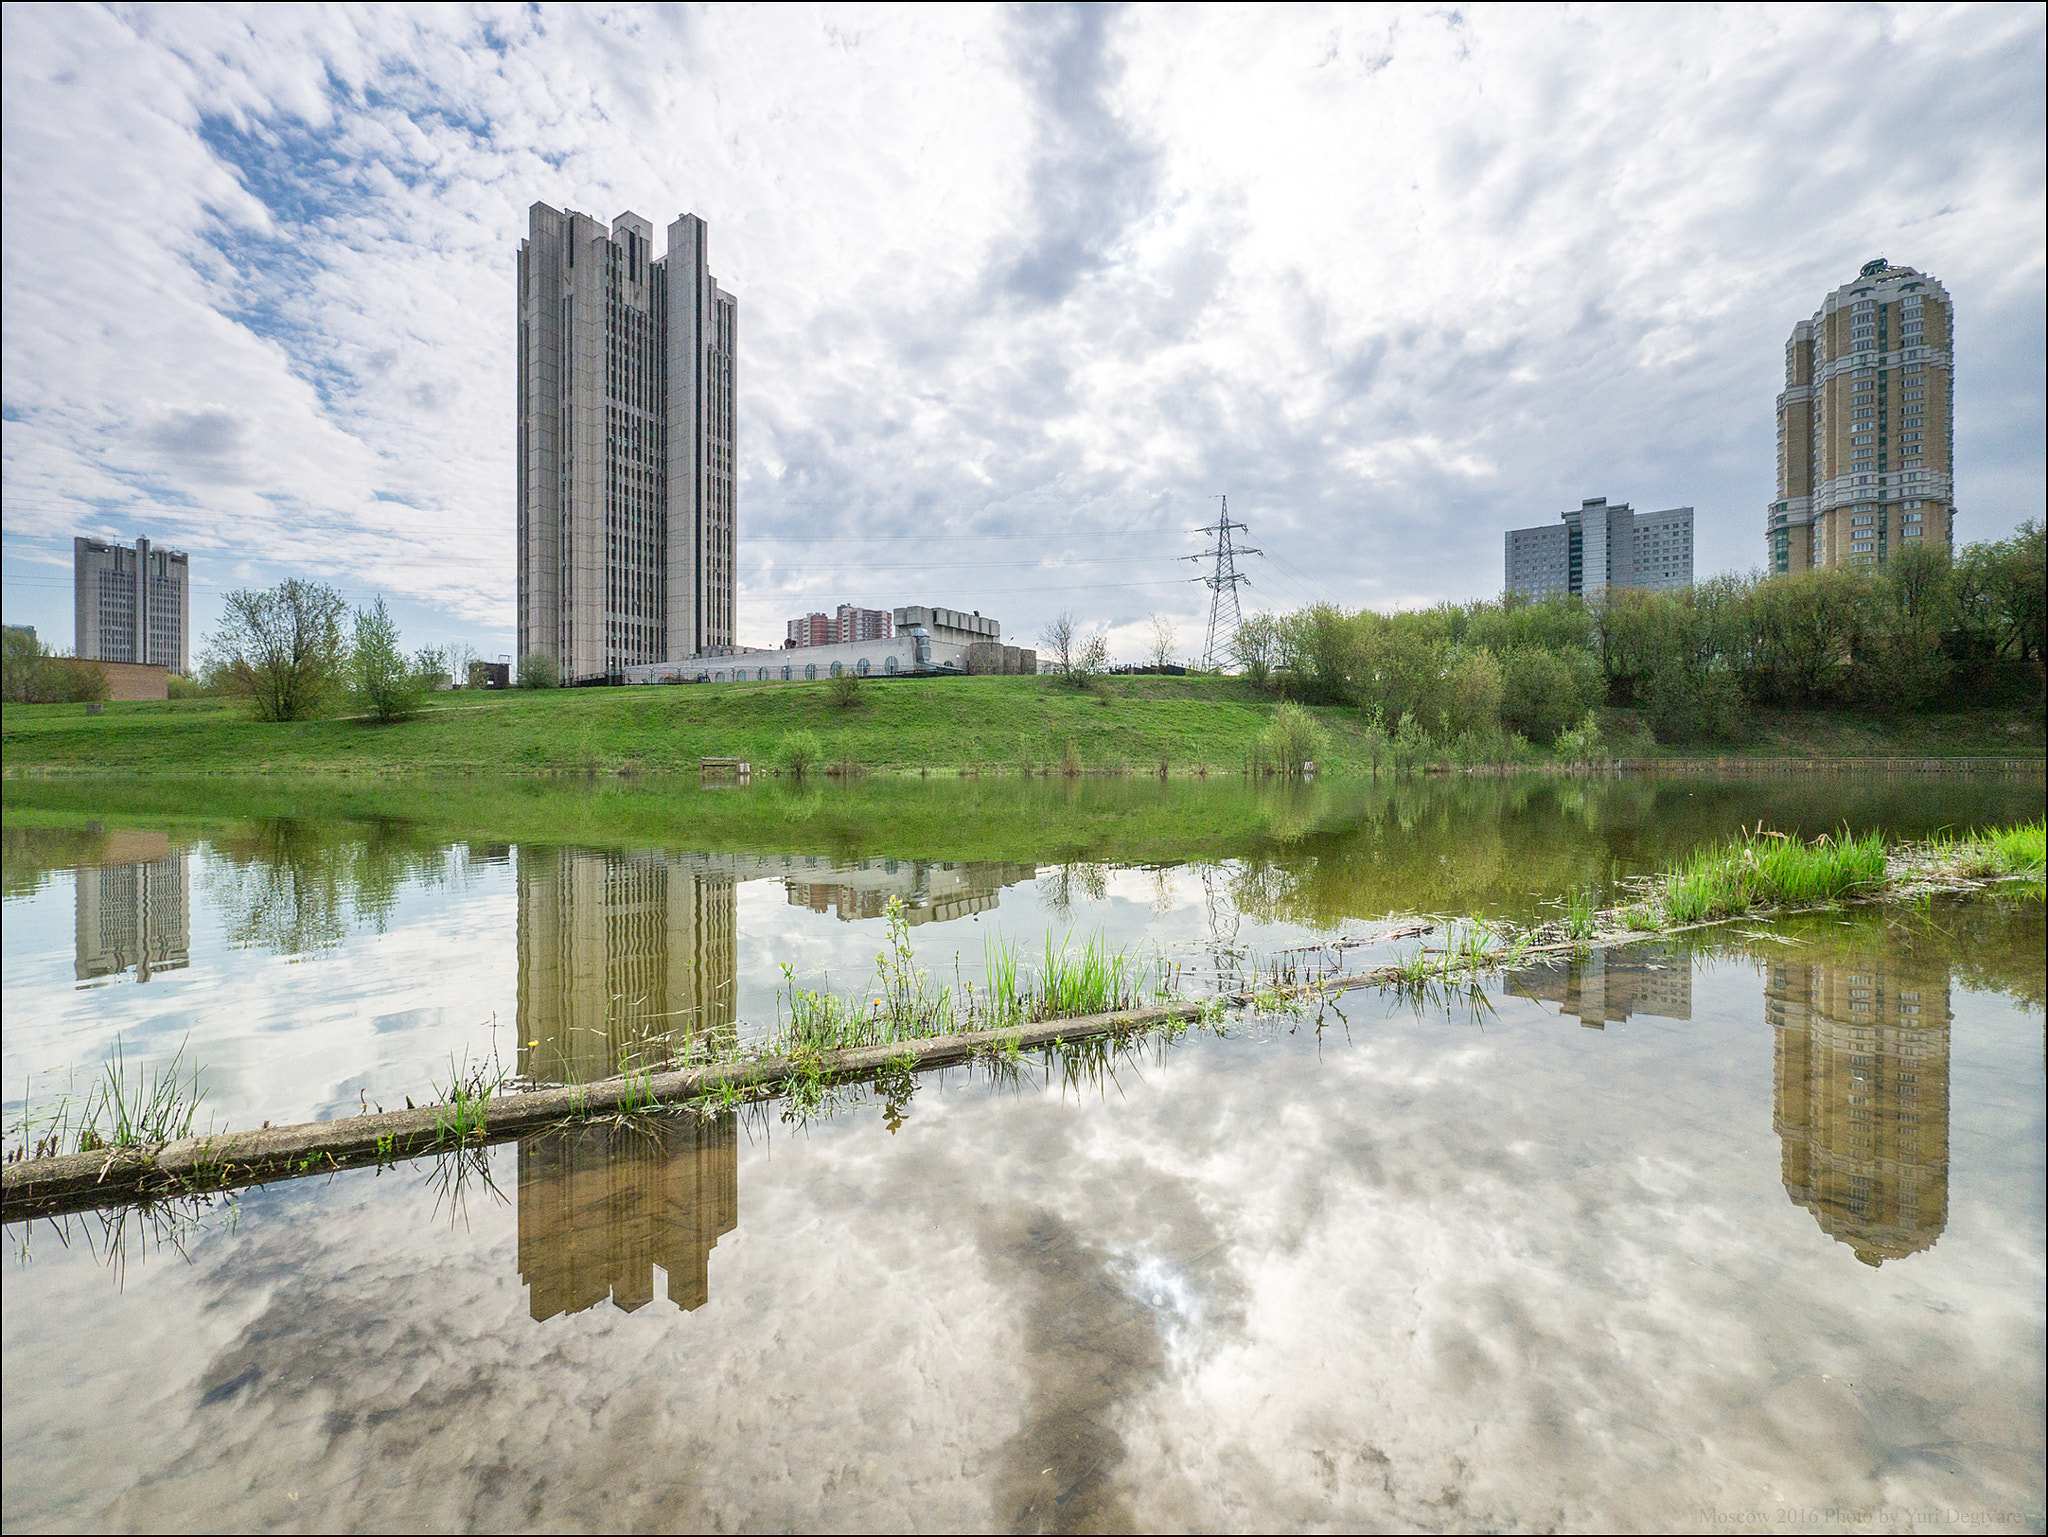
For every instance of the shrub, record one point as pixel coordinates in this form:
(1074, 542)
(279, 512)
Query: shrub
(844, 690)
(391, 685)
(538, 670)
(799, 752)
(34, 675)
(1295, 737)
(1539, 696)
(1685, 705)
(282, 649)
(1582, 743)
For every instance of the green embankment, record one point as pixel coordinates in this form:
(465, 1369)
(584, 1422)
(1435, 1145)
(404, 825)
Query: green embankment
(991, 724)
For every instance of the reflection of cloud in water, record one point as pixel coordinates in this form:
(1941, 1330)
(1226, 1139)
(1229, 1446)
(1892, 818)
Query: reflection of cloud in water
(1535, 1276)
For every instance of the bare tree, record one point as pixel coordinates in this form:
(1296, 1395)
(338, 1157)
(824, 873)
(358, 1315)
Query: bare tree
(1058, 640)
(460, 656)
(1163, 637)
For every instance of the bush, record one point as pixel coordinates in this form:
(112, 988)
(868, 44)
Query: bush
(34, 675)
(799, 752)
(282, 649)
(1686, 706)
(1582, 743)
(188, 688)
(1294, 738)
(1539, 696)
(538, 670)
(390, 685)
(844, 689)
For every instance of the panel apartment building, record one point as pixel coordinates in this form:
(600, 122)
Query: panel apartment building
(625, 444)
(1866, 424)
(844, 628)
(1597, 546)
(132, 605)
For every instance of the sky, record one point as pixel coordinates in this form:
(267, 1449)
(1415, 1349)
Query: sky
(1022, 291)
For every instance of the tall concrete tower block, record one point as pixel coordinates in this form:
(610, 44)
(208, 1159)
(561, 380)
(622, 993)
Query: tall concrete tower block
(1866, 425)
(627, 515)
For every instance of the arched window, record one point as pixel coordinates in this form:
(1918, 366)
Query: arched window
(890, 667)
(718, 677)
(785, 674)
(810, 670)
(761, 676)
(861, 667)
(837, 669)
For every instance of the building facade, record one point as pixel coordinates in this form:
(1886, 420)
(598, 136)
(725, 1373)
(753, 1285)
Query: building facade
(1866, 425)
(627, 514)
(850, 624)
(1597, 546)
(132, 605)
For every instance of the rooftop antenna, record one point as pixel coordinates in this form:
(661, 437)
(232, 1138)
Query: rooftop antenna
(1222, 581)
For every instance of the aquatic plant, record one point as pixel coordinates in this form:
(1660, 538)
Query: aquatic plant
(1760, 869)
(1581, 914)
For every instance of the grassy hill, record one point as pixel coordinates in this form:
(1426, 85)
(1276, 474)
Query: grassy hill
(1132, 725)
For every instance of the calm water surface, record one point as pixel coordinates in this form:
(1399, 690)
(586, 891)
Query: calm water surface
(1745, 1233)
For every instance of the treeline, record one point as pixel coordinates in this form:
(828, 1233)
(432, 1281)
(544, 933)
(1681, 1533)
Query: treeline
(31, 673)
(1920, 631)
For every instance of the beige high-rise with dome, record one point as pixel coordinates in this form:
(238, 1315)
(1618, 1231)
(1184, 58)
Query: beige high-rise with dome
(1866, 425)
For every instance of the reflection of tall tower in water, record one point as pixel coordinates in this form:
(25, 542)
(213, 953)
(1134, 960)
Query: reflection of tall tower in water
(601, 1205)
(1862, 1099)
(622, 956)
(134, 909)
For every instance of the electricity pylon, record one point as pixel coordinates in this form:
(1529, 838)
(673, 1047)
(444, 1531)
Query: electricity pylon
(1222, 583)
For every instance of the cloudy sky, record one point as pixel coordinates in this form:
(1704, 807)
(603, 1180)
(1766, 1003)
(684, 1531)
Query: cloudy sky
(1021, 290)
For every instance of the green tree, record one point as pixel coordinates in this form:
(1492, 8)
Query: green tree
(1540, 695)
(31, 673)
(391, 683)
(283, 649)
(538, 670)
(1255, 645)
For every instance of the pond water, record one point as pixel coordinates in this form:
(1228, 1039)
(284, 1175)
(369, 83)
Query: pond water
(1746, 1231)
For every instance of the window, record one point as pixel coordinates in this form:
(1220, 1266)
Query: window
(785, 674)
(889, 666)
(1865, 518)
(810, 672)
(861, 667)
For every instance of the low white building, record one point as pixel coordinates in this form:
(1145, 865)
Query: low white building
(907, 651)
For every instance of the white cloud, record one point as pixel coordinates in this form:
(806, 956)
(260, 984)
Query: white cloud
(1394, 279)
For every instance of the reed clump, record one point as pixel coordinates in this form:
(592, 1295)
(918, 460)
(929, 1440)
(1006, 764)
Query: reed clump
(1762, 869)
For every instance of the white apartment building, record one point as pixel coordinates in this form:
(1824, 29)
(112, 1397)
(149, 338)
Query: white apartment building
(1596, 546)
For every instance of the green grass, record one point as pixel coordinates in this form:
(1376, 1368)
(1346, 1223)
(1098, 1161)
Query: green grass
(1769, 870)
(973, 724)
(149, 1107)
(986, 725)
(2019, 850)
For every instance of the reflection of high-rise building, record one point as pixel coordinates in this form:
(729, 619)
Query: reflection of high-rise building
(1861, 1108)
(601, 1205)
(134, 909)
(931, 892)
(622, 956)
(1603, 985)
